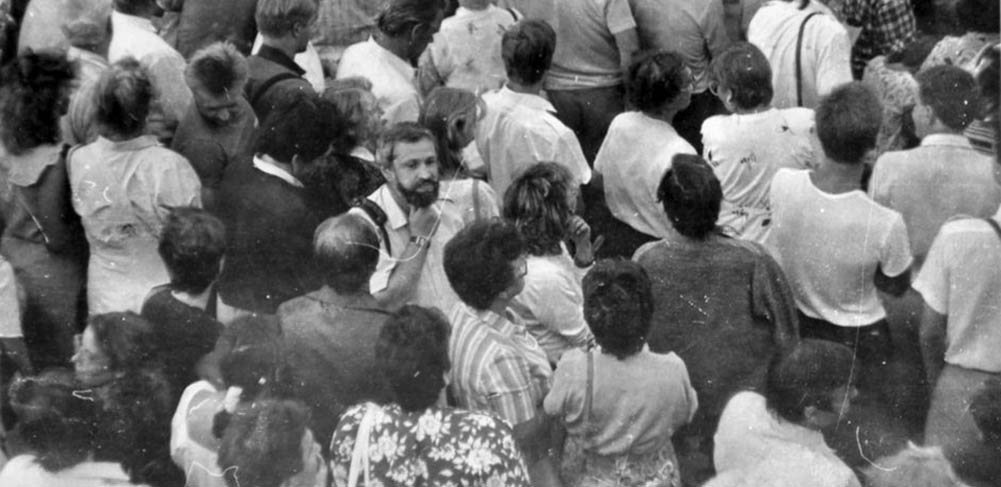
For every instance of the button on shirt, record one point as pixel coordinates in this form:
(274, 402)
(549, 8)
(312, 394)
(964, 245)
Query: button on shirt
(496, 365)
(634, 157)
(136, 37)
(961, 279)
(392, 79)
(433, 288)
(521, 129)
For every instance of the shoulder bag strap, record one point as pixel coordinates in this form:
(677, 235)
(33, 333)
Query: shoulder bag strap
(268, 83)
(994, 224)
(799, 62)
(359, 456)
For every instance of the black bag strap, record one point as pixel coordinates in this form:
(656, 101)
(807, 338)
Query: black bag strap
(994, 224)
(378, 216)
(270, 82)
(799, 61)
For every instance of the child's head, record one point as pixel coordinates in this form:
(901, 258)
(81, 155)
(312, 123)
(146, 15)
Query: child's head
(192, 246)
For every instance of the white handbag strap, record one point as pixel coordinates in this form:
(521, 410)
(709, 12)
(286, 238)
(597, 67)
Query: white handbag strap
(359, 457)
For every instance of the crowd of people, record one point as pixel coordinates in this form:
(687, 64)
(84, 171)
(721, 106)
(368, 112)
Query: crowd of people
(640, 243)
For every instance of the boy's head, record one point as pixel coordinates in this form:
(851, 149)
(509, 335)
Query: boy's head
(848, 122)
(527, 48)
(192, 246)
(948, 100)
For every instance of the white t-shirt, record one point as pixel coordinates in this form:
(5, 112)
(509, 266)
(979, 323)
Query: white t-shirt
(745, 151)
(24, 471)
(752, 442)
(392, 79)
(519, 130)
(961, 278)
(586, 54)
(826, 50)
(830, 246)
(466, 51)
(632, 160)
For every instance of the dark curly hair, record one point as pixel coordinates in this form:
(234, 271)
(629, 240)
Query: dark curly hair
(691, 195)
(527, 48)
(744, 70)
(126, 338)
(122, 97)
(192, 245)
(538, 203)
(478, 261)
(55, 422)
(805, 376)
(653, 79)
(412, 352)
(32, 98)
(618, 306)
(262, 446)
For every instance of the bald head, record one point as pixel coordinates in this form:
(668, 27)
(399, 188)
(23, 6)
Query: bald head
(346, 250)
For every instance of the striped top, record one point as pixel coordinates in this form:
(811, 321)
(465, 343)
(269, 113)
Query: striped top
(496, 365)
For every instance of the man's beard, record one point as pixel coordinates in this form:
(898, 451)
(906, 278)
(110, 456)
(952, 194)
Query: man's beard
(420, 198)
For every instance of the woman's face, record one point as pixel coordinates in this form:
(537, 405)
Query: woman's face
(92, 365)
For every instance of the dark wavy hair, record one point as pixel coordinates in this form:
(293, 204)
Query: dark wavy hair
(32, 98)
(618, 306)
(691, 195)
(527, 48)
(478, 261)
(805, 376)
(192, 245)
(53, 421)
(122, 96)
(848, 121)
(744, 70)
(654, 79)
(262, 447)
(538, 203)
(126, 338)
(442, 108)
(412, 352)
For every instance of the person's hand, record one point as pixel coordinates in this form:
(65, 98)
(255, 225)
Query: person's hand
(584, 248)
(423, 221)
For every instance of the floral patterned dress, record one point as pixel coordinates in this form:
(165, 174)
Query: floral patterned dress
(440, 447)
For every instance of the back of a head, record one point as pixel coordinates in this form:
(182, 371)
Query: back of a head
(400, 17)
(262, 446)
(527, 48)
(538, 203)
(126, 338)
(412, 352)
(275, 18)
(744, 70)
(691, 195)
(31, 99)
(654, 79)
(218, 68)
(805, 376)
(57, 424)
(123, 95)
(618, 306)
(952, 94)
(981, 16)
(848, 121)
(446, 113)
(303, 125)
(913, 466)
(192, 245)
(346, 250)
(478, 261)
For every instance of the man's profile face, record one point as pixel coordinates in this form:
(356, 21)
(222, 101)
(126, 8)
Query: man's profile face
(414, 172)
(422, 36)
(217, 110)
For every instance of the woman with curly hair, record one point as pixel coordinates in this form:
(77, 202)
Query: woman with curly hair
(540, 203)
(42, 239)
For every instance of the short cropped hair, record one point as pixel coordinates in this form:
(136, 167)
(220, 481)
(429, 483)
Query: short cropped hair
(691, 195)
(219, 68)
(848, 121)
(192, 245)
(60, 426)
(412, 353)
(979, 15)
(346, 250)
(952, 94)
(655, 78)
(262, 446)
(123, 95)
(538, 203)
(744, 70)
(31, 98)
(805, 376)
(305, 126)
(406, 132)
(399, 17)
(275, 18)
(618, 306)
(478, 261)
(527, 48)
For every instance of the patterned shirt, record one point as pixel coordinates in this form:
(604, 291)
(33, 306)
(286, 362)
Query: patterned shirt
(496, 365)
(887, 26)
(435, 447)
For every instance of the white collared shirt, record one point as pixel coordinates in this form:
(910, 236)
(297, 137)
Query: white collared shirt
(519, 130)
(392, 79)
(136, 37)
(273, 170)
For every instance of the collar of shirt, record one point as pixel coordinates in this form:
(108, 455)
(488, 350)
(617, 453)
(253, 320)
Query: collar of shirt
(363, 154)
(278, 57)
(396, 217)
(505, 325)
(120, 20)
(527, 100)
(946, 140)
(273, 170)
